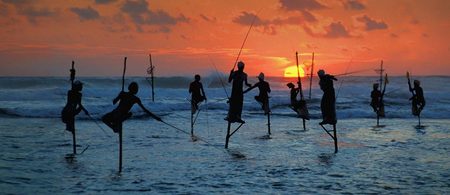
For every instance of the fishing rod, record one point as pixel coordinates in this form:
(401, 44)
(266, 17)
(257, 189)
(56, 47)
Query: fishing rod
(311, 75)
(245, 39)
(123, 75)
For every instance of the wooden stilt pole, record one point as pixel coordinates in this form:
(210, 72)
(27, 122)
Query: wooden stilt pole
(378, 120)
(192, 122)
(228, 135)
(74, 142)
(120, 150)
(335, 139)
(72, 78)
(304, 124)
(419, 119)
(268, 123)
(121, 125)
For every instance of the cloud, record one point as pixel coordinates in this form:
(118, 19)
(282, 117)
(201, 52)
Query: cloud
(208, 19)
(308, 16)
(333, 30)
(25, 8)
(104, 1)
(393, 35)
(85, 13)
(336, 30)
(354, 5)
(16, 2)
(33, 13)
(371, 24)
(267, 26)
(247, 18)
(301, 5)
(139, 13)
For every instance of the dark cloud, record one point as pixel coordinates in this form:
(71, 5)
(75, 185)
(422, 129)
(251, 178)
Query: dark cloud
(208, 19)
(333, 30)
(3, 10)
(336, 30)
(139, 12)
(268, 26)
(301, 5)
(25, 8)
(86, 13)
(247, 18)
(354, 5)
(308, 16)
(33, 13)
(104, 1)
(16, 2)
(371, 24)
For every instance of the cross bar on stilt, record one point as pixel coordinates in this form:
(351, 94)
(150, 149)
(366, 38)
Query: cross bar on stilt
(334, 137)
(227, 139)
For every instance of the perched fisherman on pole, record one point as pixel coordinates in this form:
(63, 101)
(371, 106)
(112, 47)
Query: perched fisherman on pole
(264, 90)
(198, 94)
(328, 104)
(418, 99)
(73, 106)
(236, 101)
(263, 97)
(115, 118)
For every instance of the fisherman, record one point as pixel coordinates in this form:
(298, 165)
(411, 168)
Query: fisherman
(198, 94)
(295, 104)
(328, 102)
(418, 100)
(264, 90)
(115, 118)
(73, 106)
(377, 100)
(237, 96)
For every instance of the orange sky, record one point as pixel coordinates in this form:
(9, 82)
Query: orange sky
(40, 38)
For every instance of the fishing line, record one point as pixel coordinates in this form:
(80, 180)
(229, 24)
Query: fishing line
(246, 36)
(185, 132)
(342, 81)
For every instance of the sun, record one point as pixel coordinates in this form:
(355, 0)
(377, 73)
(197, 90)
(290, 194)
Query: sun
(291, 71)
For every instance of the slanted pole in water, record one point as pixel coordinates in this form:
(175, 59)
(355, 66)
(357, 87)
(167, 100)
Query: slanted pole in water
(229, 133)
(152, 69)
(334, 136)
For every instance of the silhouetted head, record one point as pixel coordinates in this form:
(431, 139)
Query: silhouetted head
(197, 77)
(375, 85)
(133, 88)
(321, 73)
(240, 65)
(77, 85)
(290, 85)
(261, 76)
(416, 83)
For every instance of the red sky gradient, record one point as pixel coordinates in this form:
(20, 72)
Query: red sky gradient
(40, 38)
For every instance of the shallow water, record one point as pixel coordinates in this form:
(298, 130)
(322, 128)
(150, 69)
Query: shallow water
(395, 159)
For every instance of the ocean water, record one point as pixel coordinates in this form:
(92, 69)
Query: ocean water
(396, 159)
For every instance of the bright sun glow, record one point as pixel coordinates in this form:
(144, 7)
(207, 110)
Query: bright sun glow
(291, 71)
